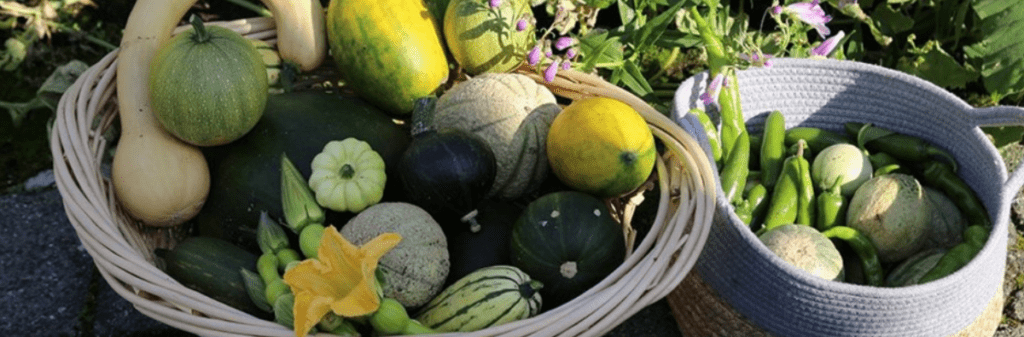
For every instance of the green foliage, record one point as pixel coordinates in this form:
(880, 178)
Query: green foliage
(1000, 51)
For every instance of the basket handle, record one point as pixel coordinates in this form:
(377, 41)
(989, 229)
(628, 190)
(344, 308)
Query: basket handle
(1000, 116)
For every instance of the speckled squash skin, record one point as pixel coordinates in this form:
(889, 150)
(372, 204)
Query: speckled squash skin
(569, 242)
(893, 212)
(416, 269)
(208, 93)
(512, 114)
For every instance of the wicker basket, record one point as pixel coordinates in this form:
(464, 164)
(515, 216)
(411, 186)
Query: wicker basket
(122, 248)
(739, 287)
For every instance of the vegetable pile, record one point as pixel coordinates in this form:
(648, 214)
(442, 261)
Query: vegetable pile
(411, 193)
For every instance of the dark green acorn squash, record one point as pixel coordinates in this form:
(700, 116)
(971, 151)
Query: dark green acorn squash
(245, 175)
(447, 173)
(470, 250)
(568, 241)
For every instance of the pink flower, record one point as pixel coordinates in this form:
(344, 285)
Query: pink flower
(566, 65)
(757, 59)
(710, 97)
(551, 71)
(570, 53)
(521, 25)
(826, 47)
(564, 42)
(808, 12)
(533, 57)
(495, 3)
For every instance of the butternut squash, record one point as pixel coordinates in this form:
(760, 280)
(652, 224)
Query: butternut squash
(158, 179)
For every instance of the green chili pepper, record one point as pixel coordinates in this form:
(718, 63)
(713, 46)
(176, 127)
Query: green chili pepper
(958, 256)
(941, 176)
(782, 208)
(805, 189)
(903, 147)
(755, 156)
(752, 209)
(734, 173)
(865, 250)
(817, 139)
(717, 58)
(773, 149)
(808, 154)
(711, 132)
(831, 207)
(731, 112)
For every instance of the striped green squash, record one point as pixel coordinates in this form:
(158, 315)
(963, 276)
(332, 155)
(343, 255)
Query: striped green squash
(487, 297)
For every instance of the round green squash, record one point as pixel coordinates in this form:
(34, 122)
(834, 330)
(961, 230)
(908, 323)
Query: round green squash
(512, 114)
(208, 85)
(568, 241)
(416, 269)
(485, 39)
(806, 248)
(947, 224)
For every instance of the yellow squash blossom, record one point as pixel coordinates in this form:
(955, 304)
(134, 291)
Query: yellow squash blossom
(342, 280)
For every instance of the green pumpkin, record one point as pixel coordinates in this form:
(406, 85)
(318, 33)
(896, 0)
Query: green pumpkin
(569, 242)
(806, 248)
(208, 85)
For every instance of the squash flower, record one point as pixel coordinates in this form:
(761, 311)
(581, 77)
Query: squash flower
(343, 279)
(808, 12)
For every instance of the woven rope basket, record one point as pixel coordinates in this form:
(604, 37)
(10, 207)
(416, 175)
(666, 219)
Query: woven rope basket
(740, 288)
(122, 248)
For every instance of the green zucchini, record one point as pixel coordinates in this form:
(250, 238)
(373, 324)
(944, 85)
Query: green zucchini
(212, 267)
(487, 297)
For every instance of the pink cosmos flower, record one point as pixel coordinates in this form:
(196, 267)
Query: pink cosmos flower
(571, 53)
(826, 47)
(495, 3)
(521, 25)
(710, 96)
(757, 59)
(566, 65)
(808, 12)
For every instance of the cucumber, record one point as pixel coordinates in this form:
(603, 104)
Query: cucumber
(212, 267)
(487, 297)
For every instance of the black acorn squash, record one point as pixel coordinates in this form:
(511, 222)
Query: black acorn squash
(568, 241)
(245, 175)
(447, 173)
(489, 246)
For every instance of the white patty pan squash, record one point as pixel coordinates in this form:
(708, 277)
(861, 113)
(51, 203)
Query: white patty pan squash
(347, 176)
(416, 269)
(512, 113)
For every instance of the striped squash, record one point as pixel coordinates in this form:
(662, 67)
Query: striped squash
(487, 297)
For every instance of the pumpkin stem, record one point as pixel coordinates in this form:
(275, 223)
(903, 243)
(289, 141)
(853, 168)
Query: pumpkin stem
(568, 269)
(347, 171)
(470, 217)
(202, 35)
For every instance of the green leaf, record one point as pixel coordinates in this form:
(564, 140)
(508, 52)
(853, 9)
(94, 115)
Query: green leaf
(650, 32)
(1004, 135)
(1000, 53)
(632, 78)
(891, 22)
(935, 65)
(600, 49)
(59, 81)
(599, 4)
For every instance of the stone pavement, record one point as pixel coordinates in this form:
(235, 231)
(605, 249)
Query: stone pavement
(49, 285)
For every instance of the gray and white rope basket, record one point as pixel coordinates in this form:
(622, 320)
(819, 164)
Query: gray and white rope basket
(763, 295)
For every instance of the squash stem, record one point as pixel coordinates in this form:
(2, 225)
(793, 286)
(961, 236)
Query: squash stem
(202, 35)
(470, 217)
(347, 171)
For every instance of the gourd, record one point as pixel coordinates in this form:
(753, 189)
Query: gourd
(246, 176)
(487, 297)
(347, 176)
(158, 179)
(804, 247)
(568, 241)
(512, 114)
(893, 212)
(947, 224)
(208, 85)
(389, 51)
(415, 270)
(300, 28)
(486, 39)
(913, 268)
(448, 172)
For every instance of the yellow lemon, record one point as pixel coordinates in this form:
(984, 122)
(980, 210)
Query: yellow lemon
(601, 146)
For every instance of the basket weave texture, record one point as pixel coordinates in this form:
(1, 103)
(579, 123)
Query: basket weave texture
(122, 247)
(779, 299)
